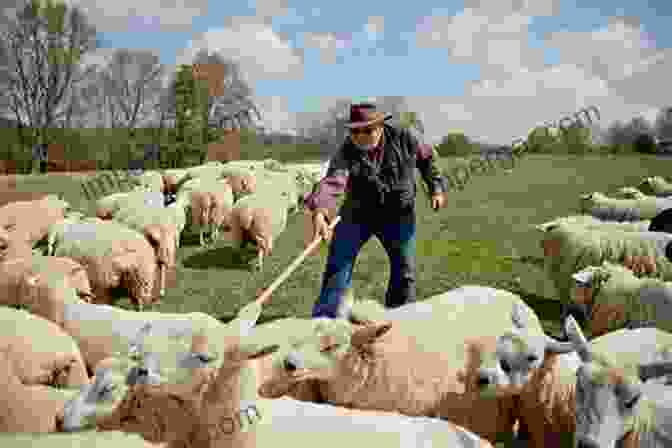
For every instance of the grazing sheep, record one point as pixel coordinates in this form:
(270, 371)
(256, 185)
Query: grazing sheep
(402, 365)
(614, 209)
(620, 406)
(113, 256)
(159, 226)
(569, 248)
(655, 186)
(29, 221)
(211, 201)
(630, 193)
(41, 351)
(259, 218)
(615, 298)
(590, 222)
(546, 405)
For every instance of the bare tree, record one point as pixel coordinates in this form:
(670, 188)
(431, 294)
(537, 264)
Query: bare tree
(129, 88)
(41, 49)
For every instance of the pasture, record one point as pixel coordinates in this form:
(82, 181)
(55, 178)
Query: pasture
(484, 236)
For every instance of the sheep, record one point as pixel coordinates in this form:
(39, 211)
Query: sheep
(42, 287)
(29, 221)
(630, 193)
(41, 351)
(286, 421)
(102, 331)
(546, 403)
(108, 206)
(113, 256)
(403, 366)
(210, 201)
(655, 186)
(159, 226)
(280, 182)
(591, 222)
(569, 248)
(241, 177)
(619, 406)
(615, 298)
(259, 218)
(146, 402)
(614, 209)
(29, 408)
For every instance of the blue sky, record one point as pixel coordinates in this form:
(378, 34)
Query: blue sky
(394, 64)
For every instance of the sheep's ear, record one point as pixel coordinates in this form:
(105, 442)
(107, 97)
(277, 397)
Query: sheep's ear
(260, 353)
(369, 333)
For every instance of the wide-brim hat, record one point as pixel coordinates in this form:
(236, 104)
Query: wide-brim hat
(365, 114)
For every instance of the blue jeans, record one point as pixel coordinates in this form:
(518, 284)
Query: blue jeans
(397, 238)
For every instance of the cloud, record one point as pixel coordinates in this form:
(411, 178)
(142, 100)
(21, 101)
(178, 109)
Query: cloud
(261, 52)
(328, 44)
(147, 15)
(374, 27)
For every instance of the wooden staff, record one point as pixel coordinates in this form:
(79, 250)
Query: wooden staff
(263, 298)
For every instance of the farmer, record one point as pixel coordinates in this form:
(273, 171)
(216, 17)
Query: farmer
(376, 165)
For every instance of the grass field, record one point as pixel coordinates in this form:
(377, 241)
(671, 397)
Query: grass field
(477, 239)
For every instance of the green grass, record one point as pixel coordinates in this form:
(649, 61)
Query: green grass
(479, 238)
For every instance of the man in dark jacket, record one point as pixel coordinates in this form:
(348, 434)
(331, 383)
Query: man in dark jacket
(375, 167)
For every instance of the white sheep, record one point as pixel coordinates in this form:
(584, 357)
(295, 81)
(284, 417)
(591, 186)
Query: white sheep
(29, 221)
(615, 209)
(568, 248)
(113, 255)
(259, 218)
(41, 351)
(108, 206)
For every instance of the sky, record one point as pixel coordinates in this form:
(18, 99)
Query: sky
(492, 69)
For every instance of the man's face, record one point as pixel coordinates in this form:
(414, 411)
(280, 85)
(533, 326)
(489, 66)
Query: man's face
(367, 137)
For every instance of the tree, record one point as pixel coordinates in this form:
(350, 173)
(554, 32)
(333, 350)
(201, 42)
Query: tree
(41, 50)
(129, 88)
(455, 144)
(663, 123)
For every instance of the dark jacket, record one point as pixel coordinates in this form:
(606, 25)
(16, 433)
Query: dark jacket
(374, 187)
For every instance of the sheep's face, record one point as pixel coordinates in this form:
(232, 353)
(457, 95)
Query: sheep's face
(321, 356)
(516, 357)
(606, 403)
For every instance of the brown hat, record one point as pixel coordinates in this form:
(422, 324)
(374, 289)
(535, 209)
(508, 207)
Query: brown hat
(365, 114)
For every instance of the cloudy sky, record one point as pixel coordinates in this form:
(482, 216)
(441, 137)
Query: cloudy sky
(491, 68)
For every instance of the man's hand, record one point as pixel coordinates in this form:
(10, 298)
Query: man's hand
(315, 224)
(321, 227)
(438, 201)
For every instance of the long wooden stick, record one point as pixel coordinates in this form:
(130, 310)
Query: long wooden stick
(263, 298)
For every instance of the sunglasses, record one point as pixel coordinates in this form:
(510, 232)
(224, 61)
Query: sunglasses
(365, 131)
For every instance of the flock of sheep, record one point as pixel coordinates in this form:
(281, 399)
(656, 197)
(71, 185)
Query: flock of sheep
(75, 369)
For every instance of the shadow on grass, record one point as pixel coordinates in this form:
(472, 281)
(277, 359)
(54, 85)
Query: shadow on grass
(219, 257)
